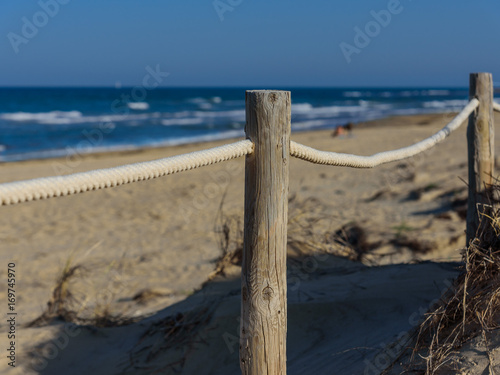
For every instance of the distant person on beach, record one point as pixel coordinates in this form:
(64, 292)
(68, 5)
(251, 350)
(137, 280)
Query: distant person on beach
(343, 130)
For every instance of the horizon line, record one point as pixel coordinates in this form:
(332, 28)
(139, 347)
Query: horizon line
(250, 87)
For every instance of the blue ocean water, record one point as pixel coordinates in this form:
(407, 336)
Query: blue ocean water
(50, 122)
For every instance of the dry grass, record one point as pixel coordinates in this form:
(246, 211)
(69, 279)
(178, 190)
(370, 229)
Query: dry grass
(61, 297)
(471, 308)
(353, 238)
(306, 235)
(65, 307)
(229, 230)
(174, 335)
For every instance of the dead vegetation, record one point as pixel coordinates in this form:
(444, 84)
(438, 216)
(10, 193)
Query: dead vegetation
(311, 229)
(354, 237)
(415, 244)
(470, 309)
(174, 335)
(305, 235)
(61, 297)
(145, 295)
(64, 306)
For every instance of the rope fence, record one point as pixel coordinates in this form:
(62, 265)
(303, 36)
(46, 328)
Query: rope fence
(48, 187)
(268, 124)
(58, 186)
(355, 161)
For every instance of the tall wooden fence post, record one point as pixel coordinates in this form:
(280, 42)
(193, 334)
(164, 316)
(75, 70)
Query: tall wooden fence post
(480, 137)
(263, 277)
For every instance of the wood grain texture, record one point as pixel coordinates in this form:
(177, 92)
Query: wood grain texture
(480, 138)
(263, 306)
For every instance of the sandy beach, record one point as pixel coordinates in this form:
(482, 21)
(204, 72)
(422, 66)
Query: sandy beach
(369, 252)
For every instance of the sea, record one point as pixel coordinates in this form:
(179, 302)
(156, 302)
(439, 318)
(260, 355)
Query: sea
(37, 123)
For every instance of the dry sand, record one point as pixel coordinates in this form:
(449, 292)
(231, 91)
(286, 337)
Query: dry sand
(144, 251)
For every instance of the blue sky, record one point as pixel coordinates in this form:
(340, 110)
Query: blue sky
(268, 43)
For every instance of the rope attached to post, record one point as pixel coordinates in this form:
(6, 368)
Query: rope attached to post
(48, 187)
(356, 161)
(496, 106)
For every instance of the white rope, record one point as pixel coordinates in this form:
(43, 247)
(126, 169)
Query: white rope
(496, 106)
(356, 161)
(48, 187)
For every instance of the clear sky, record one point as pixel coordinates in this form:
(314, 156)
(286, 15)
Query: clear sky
(249, 42)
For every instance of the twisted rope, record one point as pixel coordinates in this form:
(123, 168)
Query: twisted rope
(496, 106)
(48, 187)
(356, 161)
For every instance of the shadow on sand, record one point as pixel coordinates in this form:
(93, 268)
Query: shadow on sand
(343, 317)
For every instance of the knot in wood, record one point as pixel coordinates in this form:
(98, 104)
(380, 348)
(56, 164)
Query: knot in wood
(273, 97)
(267, 293)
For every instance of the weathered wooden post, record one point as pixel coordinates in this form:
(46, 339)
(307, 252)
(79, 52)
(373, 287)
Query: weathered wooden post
(480, 137)
(263, 277)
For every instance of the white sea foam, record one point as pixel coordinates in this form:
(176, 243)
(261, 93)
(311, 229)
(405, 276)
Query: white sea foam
(138, 106)
(373, 105)
(445, 104)
(200, 100)
(98, 119)
(302, 107)
(73, 117)
(40, 116)
(333, 110)
(308, 111)
(231, 114)
(202, 138)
